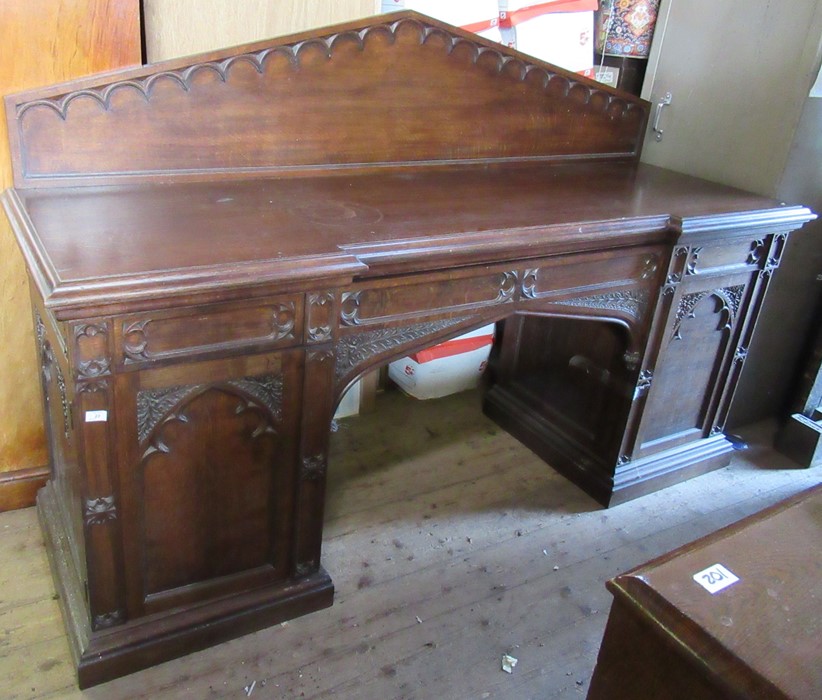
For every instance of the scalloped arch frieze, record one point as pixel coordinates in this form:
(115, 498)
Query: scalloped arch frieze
(316, 103)
(513, 66)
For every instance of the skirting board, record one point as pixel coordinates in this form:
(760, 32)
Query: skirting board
(18, 489)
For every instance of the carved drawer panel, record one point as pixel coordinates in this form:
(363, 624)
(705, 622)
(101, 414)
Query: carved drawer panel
(205, 331)
(733, 256)
(571, 275)
(381, 304)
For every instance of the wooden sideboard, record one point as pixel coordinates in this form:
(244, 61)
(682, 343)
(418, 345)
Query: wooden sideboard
(680, 627)
(220, 245)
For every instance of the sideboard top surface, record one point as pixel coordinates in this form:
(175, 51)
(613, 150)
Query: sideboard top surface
(91, 244)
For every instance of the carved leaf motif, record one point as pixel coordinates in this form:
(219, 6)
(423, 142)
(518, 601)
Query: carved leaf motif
(357, 349)
(156, 405)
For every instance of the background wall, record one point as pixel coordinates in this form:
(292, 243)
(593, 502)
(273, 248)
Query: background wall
(181, 27)
(43, 42)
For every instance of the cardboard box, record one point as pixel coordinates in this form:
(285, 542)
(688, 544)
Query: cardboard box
(447, 368)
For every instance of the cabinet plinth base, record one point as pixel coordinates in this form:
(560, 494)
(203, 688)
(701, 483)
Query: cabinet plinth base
(102, 655)
(607, 483)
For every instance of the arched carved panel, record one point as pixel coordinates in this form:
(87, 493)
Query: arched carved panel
(680, 398)
(208, 477)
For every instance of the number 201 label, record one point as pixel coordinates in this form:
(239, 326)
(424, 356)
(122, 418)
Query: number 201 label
(715, 578)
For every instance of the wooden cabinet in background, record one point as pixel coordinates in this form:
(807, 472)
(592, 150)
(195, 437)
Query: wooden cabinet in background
(680, 627)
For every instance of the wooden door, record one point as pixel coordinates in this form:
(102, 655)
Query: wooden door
(206, 466)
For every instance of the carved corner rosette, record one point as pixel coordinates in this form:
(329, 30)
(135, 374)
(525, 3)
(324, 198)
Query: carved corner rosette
(314, 468)
(99, 511)
(109, 619)
(306, 568)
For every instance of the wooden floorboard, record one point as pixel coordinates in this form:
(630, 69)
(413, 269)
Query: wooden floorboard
(450, 545)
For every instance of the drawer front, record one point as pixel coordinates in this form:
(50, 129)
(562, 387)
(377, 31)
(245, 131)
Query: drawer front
(142, 339)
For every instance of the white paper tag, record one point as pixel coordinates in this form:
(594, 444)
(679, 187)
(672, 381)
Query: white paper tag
(715, 578)
(96, 416)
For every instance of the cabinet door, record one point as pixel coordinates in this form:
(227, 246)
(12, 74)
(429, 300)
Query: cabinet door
(207, 454)
(697, 352)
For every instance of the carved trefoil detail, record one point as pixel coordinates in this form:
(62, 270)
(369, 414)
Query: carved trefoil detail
(358, 348)
(320, 315)
(98, 511)
(528, 286)
(350, 308)
(92, 366)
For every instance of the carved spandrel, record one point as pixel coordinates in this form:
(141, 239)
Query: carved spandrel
(632, 302)
(359, 348)
(157, 405)
(730, 299)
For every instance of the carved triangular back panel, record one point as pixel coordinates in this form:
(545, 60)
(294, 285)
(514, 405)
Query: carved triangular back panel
(394, 90)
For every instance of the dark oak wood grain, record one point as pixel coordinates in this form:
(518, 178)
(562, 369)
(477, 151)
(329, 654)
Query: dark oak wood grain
(219, 246)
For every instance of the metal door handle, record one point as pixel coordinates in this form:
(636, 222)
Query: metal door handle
(666, 100)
